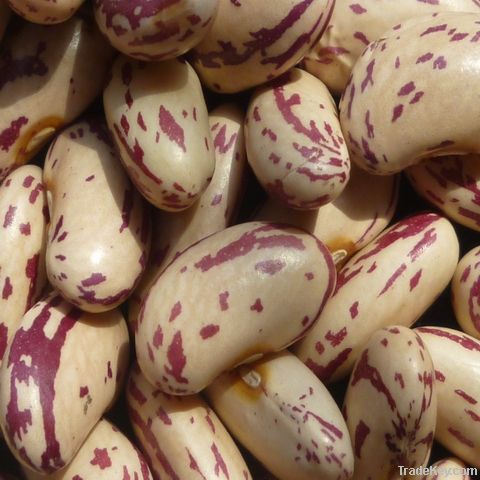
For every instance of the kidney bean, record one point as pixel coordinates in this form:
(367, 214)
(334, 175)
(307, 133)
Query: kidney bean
(411, 262)
(45, 11)
(181, 436)
(283, 414)
(45, 83)
(252, 42)
(62, 370)
(94, 261)
(410, 70)
(217, 304)
(391, 404)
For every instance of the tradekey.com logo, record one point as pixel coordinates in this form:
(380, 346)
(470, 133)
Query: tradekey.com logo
(440, 471)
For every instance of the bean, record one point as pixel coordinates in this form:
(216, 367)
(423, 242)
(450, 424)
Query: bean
(45, 12)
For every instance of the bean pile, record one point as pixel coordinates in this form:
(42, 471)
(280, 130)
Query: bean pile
(211, 264)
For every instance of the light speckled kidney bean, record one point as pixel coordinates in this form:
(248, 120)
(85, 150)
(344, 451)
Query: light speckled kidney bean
(294, 142)
(285, 416)
(106, 454)
(181, 436)
(46, 82)
(456, 359)
(448, 468)
(355, 24)
(23, 208)
(159, 121)
(411, 262)
(351, 221)
(95, 260)
(219, 303)
(61, 371)
(452, 184)
(466, 292)
(413, 70)
(45, 11)
(251, 42)
(155, 30)
(391, 404)
(173, 232)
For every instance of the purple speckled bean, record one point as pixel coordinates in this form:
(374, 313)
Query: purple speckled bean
(252, 42)
(286, 417)
(452, 184)
(181, 437)
(173, 232)
(355, 23)
(46, 12)
(60, 373)
(23, 222)
(217, 304)
(456, 359)
(391, 404)
(106, 454)
(294, 142)
(411, 262)
(155, 29)
(159, 121)
(403, 81)
(466, 292)
(99, 234)
(46, 82)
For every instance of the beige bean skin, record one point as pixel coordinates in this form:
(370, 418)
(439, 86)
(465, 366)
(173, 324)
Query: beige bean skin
(106, 454)
(446, 468)
(410, 70)
(94, 261)
(46, 12)
(391, 405)
(159, 121)
(456, 359)
(294, 142)
(355, 24)
(452, 184)
(351, 221)
(284, 416)
(45, 83)
(466, 293)
(173, 232)
(410, 263)
(62, 370)
(23, 210)
(155, 30)
(181, 437)
(218, 304)
(252, 42)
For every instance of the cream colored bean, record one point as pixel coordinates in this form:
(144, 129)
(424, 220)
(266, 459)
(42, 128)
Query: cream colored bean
(222, 303)
(181, 436)
(106, 454)
(173, 232)
(155, 30)
(23, 225)
(391, 405)
(251, 42)
(448, 468)
(406, 79)
(62, 370)
(159, 121)
(351, 221)
(283, 415)
(456, 359)
(355, 24)
(452, 184)
(294, 142)
(99, 234)
(466, 292)
(409, 264)
(45, 11)
(46, 81)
